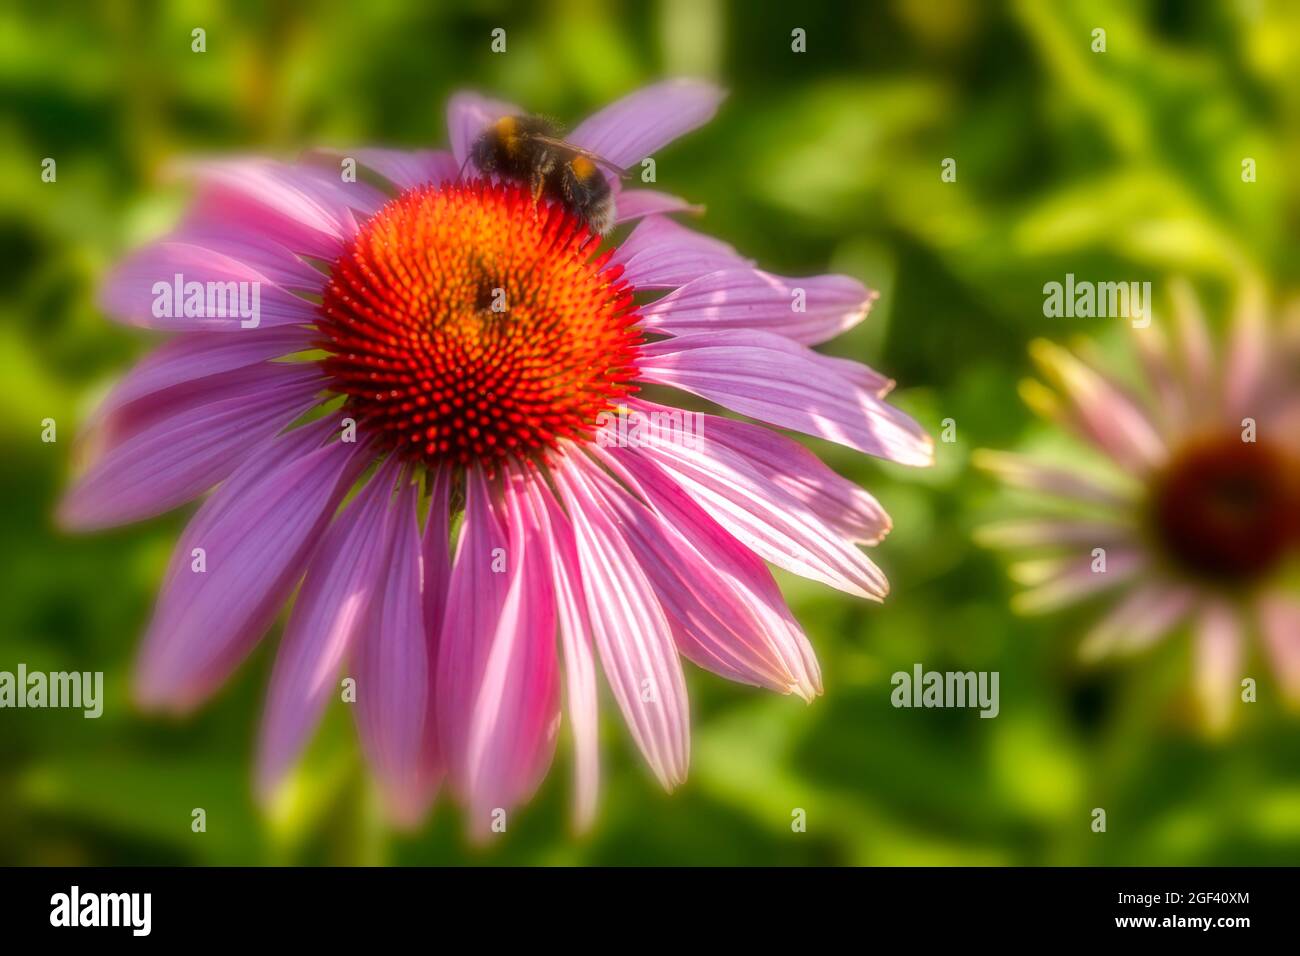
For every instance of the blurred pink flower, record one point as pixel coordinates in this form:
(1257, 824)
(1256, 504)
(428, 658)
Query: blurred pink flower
(1199, 520)
(376, 301)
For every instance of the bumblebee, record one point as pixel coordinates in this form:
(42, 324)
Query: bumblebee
(530, 150)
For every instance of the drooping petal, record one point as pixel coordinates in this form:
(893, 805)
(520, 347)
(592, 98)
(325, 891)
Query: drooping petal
(783, 383)
(576, 652)
(1218, 653)
(1279, 619)
(437, 579)
(842, 505)
(183, 451)
(262, 461)
(630, 129)
(1147, 613)
(437, 558)
(255, 544)
(727, 613)
(516, 707)
(631, 632)
(392, 669)
(476, 594)
(768, 519)
(809, 310)
(345, 573)
(468, 114)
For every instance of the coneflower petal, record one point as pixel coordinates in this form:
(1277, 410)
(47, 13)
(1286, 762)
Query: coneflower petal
(1217, 654)
(333, 606)
(750, 300)
(580, 685)
(392, 668)
(1051, 533)
(405, 169)
(307, 209)
(1153, 351)
(431, 767)
(143, 291)
(210, 224)
(770, 521)
(1243, 371)
(842, 505)
(516, 705)
(178, 451)
(198, 358)
(468, 114)
(631, 632)
(1146, 614)
(728, 615)
(1103, 411)
(630, 129)
(1196, 347)
(633, 204)
(476, 594)
(1028, 474)
(1056, 582)
(663, 254)
(1279, 618)
(255, 542)
(782, 383)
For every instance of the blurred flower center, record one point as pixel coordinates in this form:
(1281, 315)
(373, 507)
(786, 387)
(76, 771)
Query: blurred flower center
(1226, 509)
(466, 323)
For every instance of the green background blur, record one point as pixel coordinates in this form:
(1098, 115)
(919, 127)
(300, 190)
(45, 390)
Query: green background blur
(1122, 165)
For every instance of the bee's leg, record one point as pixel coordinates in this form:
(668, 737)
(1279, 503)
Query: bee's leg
(540, 174)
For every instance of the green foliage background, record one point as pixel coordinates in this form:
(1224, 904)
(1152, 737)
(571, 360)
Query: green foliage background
(1117, 165)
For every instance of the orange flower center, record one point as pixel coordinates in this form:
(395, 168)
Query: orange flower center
(466, 323)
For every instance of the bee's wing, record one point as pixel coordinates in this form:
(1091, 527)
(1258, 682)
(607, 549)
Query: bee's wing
(566, 147)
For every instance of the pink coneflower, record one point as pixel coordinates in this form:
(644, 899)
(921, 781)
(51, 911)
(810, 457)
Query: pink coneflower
(415, 432)
(1199, 519)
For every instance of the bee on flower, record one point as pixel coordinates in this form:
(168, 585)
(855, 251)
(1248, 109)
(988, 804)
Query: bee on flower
(405, 437)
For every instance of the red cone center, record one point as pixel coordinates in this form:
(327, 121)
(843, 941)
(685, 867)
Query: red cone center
(466, 323)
